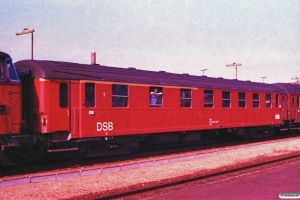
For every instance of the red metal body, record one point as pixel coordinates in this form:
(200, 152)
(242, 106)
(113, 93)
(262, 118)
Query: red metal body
(10, 103)
(294, 107)
(10, 97)
(50, 117)
(290, 102)
(138, 117)
(94, 110)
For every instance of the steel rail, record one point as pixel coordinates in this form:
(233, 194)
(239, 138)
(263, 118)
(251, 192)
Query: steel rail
(192, 179)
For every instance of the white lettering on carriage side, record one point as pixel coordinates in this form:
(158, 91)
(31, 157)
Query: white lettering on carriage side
(211, 122)
(105, 126)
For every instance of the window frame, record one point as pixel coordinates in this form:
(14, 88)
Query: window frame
(156, 98)
(89, 94)
(282, 101)
(256, 100)
(2, 72)
(226, 102)
(208, 96)
(120, 97)
(242, 100)
(268, 100)
(293, 101)
(185, 101)
(63, 95)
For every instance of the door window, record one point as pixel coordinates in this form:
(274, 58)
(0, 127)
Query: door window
(63, 95)
(89, 94)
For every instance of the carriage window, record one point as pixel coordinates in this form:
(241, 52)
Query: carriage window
(225, 99)
(119, 95)
(208, 98)
(282, 102)
(185, 98)
(255, 100)
(1, 71)
(298, 98)
(242, 100)
(293, 101)
(3, 108)
(89, 94)
(63, 95)
(156, 96)
(268, 101)
(277, 100)
(13, 75)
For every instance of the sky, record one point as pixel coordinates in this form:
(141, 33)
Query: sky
(177, 36)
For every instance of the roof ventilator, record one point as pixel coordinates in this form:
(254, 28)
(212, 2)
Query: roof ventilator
(93, 58)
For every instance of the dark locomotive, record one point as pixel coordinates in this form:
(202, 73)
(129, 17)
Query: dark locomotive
(92, 110)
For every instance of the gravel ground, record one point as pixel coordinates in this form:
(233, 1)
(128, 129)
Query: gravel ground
(89, 186)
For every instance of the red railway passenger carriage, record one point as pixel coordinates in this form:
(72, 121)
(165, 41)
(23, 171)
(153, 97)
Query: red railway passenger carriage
(290, 105)
(95, 108)
(92, 110)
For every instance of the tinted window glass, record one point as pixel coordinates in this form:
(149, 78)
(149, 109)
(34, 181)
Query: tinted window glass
(255, 100)
(208, 98)
(90, 94)
(119, 95)
(63, 95)
(185, 98)
(226, 99)
(242, 99)
(268, 101)
(1, 71)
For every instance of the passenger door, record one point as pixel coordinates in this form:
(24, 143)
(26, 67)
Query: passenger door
(60, 106)
(298, 109)
(293, 107)
(284, 107)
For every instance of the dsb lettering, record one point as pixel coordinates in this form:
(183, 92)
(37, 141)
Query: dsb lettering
(105, 126)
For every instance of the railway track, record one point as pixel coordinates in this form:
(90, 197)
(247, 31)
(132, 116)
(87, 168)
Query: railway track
(144, 192)
(153, 173)
(57, 164)
(67, 170)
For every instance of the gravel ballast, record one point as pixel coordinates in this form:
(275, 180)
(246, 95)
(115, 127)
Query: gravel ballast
(107, 183)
